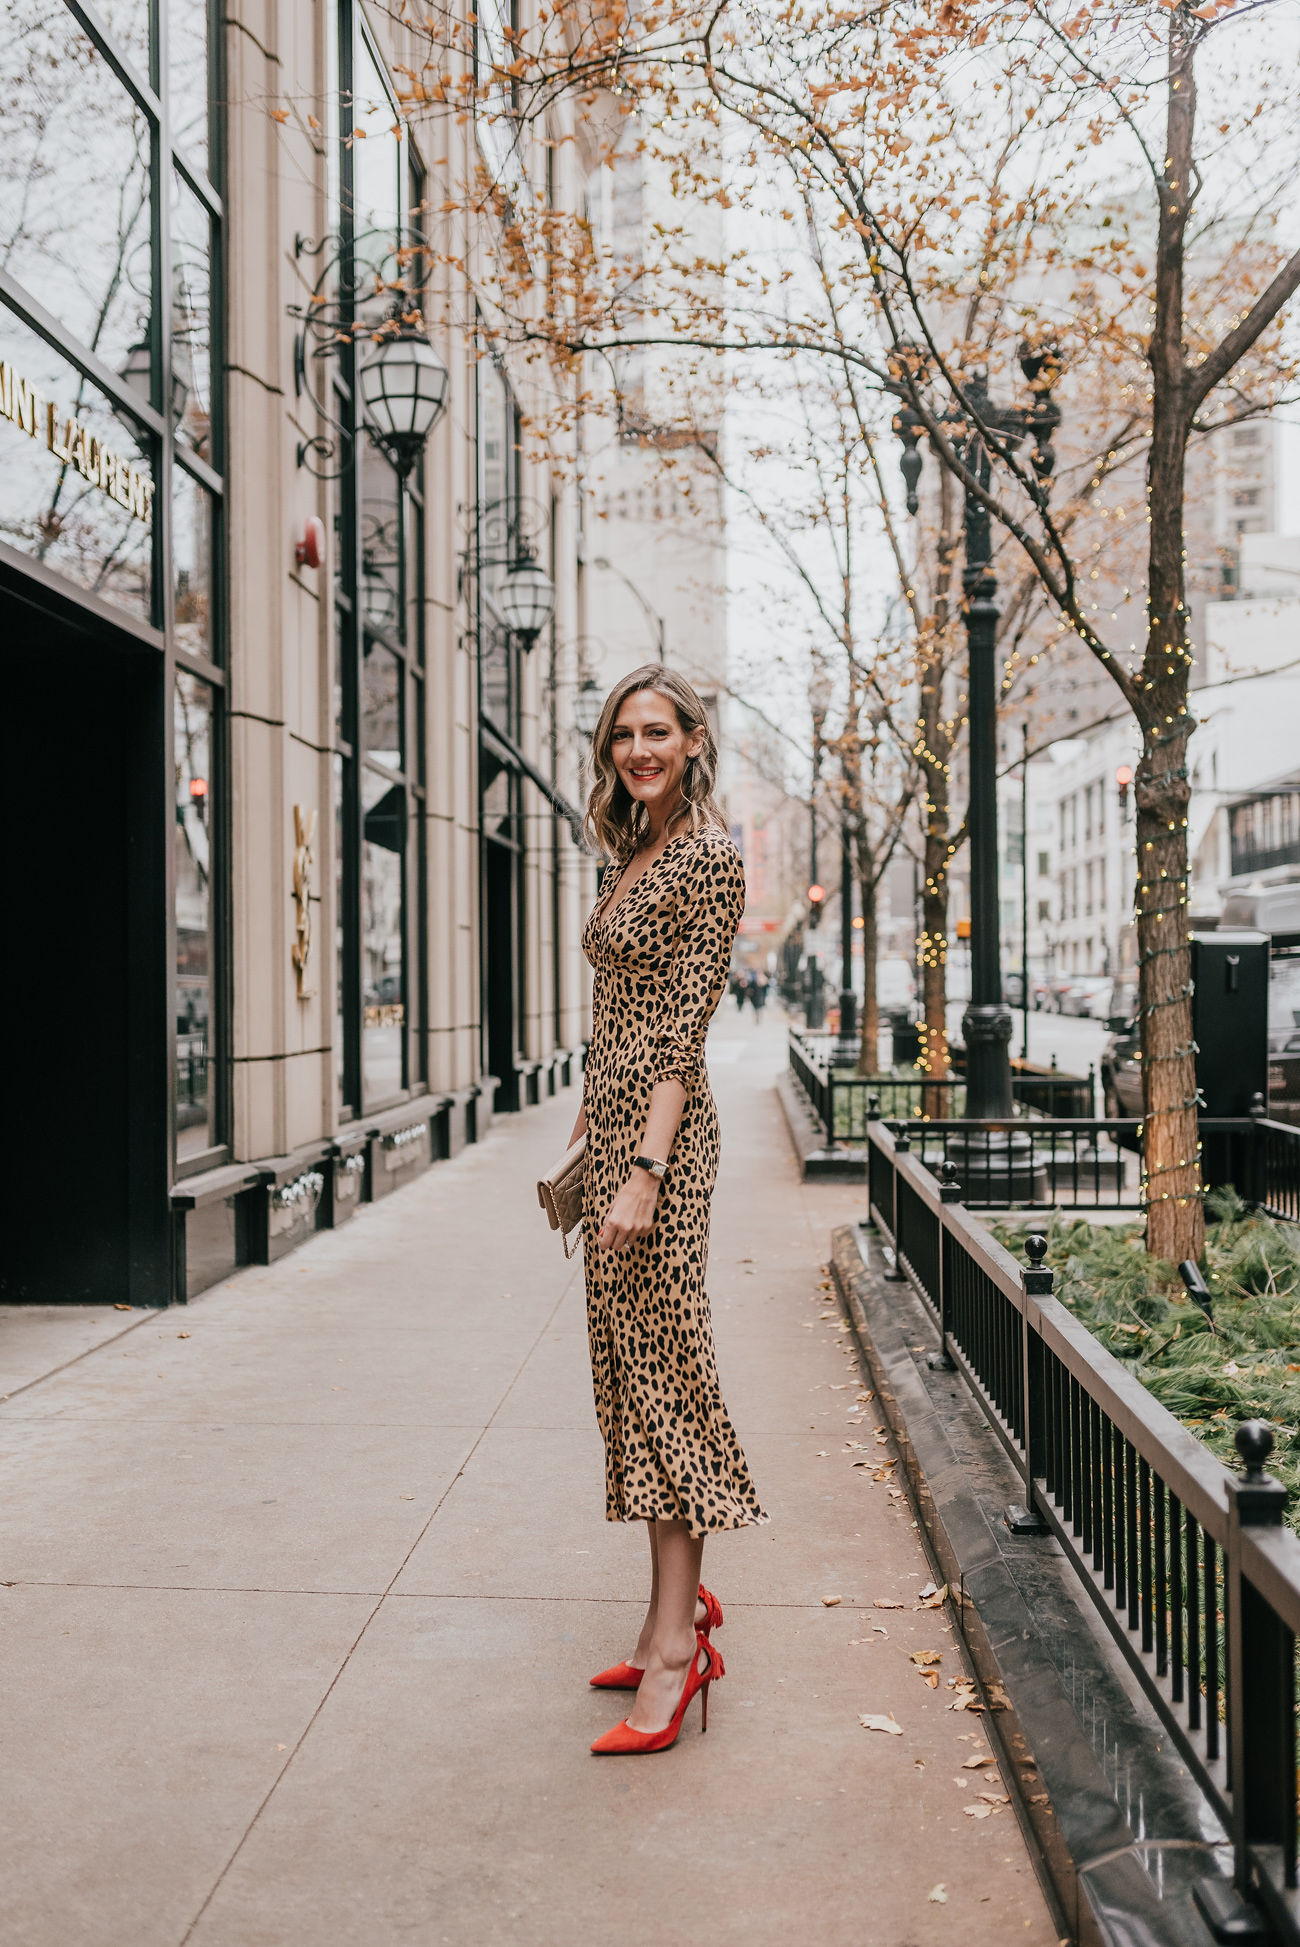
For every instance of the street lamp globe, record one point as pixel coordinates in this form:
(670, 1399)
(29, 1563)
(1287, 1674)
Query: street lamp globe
(403, 385)
(587, 708)
(526, 599)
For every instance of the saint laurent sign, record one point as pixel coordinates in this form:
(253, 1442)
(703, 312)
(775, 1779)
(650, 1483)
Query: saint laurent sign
(32, 413)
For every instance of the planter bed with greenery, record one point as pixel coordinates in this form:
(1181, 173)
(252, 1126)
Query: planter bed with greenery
(1245, 1366)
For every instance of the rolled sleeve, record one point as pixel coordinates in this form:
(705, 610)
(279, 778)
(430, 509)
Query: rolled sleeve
(711, 899)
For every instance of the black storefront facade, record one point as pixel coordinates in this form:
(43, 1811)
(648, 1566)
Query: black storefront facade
(295, 899)
(113, 759)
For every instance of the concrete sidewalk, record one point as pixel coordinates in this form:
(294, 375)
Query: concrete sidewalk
(302, 1585)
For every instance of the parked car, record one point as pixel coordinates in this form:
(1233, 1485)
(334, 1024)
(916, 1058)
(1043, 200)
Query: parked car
(895, 983)
(1056, 986)
(1121, 1071)
(1087, 994)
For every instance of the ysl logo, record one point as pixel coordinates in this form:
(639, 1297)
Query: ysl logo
(304, 828)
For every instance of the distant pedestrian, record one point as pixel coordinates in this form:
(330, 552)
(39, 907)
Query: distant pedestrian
(660, 940)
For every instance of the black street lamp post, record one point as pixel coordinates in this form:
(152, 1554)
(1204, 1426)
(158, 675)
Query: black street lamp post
(986, 1023)
(846, 1049)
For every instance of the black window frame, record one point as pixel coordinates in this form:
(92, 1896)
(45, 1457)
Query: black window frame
(352, 629)
(169, 455)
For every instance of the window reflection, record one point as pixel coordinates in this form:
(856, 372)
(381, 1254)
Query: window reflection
(54, 503)
(383, 994)
(187, 61)
(192, 562)
(376, 159)
(74, 180)
(495, 454)
(381, 544)
(381, 705)
(128, 23)
(192, 750)
(191, 296)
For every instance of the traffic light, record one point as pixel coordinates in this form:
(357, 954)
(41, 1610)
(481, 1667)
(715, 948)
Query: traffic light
(816, 894)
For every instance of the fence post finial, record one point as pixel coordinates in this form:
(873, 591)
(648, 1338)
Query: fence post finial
(949, 1182)
(1037, 1280)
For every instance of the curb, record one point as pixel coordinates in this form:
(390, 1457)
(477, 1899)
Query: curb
(1012, 1600)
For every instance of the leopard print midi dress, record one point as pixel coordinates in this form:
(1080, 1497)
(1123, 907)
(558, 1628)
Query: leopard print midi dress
(661, 954)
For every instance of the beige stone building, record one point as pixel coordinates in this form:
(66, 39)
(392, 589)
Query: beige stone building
(290, 759)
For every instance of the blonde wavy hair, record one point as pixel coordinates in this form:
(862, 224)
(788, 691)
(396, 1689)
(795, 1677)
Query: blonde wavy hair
(615, 823)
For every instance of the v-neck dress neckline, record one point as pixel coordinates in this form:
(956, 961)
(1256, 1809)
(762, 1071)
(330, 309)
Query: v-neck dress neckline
(607, 912)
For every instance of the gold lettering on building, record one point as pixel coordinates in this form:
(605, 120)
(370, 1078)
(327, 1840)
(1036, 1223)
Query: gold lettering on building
(74, 445)
(304, 830)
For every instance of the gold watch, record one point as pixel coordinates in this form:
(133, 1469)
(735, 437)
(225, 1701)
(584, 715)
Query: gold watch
(656, 1169)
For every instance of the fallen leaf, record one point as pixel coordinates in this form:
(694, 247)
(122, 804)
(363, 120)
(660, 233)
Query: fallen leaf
(978, 1811)
(873, 1721)
(937, 1896)
(883, 1602)
(931, 1678)
(961, 1783)
(932, 1598)
(831, 1601)
(927, 1656)
(184, 1335)
(975, 1764)
(995, 1798)
(121, 1308)
(406, 1497)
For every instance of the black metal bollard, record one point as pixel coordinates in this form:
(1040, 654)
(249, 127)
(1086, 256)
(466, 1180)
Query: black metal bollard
(901, 1146)
(949, 1192)
(1260, 1701)
(1036, 1282)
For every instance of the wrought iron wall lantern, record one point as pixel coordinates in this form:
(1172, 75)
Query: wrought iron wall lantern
(503, 559)
(369, 296)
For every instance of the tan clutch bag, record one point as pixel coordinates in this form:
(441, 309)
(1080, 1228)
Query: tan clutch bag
(560, 1194)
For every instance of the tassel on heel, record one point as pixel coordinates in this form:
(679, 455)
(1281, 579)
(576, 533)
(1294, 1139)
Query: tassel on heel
(626, 1676)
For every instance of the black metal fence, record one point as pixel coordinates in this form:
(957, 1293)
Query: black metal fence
(1190, 1565)
(1062, 1162)
(844, 1102)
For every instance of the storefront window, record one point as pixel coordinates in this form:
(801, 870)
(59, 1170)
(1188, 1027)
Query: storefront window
(192, 749)
(191, 400)
(74, 181)
(128, 22)
(383, 1029)
(495, 465)
(381, 699)
(76, 475)
(376, 153)
(381, 545)
(192, 563)
(379, 588)
(187, 61)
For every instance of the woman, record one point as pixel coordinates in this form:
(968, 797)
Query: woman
(660, 941)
